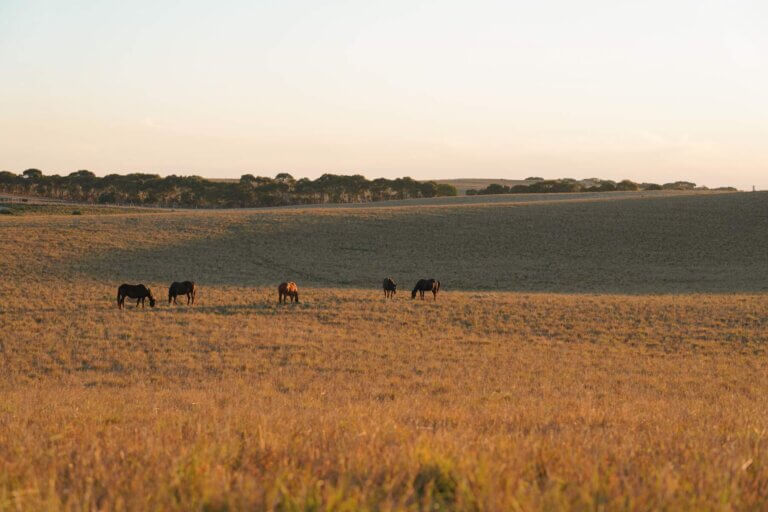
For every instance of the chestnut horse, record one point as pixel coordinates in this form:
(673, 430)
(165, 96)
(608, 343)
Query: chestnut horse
(134, 291)
(390, 288)
(426, 285)
(286, 290)
(184, 288)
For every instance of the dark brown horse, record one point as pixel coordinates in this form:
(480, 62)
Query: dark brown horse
(390, 288)
(286, 290)
(134, 291)
(183, 288)
(426, 285)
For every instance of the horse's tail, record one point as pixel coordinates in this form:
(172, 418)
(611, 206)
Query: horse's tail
(118, 297)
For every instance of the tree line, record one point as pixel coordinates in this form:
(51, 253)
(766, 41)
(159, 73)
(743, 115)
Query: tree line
(196, 192)
(571, 185)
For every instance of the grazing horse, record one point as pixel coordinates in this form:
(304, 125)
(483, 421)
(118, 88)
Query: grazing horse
(390, 287)
(426, 285)
(134, 291)
(286, 290)
(183, 288)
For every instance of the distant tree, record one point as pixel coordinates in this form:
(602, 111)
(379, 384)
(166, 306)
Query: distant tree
(107, 197)
(555, 186)
(33, 174)
(495, 188)
(679, 185)
(82, 174)
(603, 186)
(428, 189)
(534, 178)
(284, 177)
(651, 186)
(446, 189)
(7, 177)
(627, 185)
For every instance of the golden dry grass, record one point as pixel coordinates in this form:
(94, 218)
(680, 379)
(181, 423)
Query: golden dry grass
(494, 399)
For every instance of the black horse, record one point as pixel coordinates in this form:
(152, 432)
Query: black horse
(134, 291)
(390, 287)
(426, 285)
(184, 288)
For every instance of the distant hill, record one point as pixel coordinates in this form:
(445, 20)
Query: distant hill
(463, 184)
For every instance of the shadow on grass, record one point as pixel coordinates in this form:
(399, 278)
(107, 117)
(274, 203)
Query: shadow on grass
(687, 244)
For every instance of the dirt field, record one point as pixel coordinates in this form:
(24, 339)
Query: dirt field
(603, 353)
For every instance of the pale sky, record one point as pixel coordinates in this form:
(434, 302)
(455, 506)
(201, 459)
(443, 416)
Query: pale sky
(651, 90)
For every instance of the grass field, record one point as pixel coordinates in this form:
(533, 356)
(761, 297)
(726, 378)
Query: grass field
(590, 354)
(65, 209)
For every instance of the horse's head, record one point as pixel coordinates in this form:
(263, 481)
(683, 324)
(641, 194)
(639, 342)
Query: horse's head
(151, 298)
(394, 287)
(413, 293)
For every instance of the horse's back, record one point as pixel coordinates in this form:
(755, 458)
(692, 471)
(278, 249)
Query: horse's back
(182, 287)
(131, 290)
(424, 284)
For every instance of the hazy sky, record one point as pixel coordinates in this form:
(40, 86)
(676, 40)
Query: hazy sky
(651, 90)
